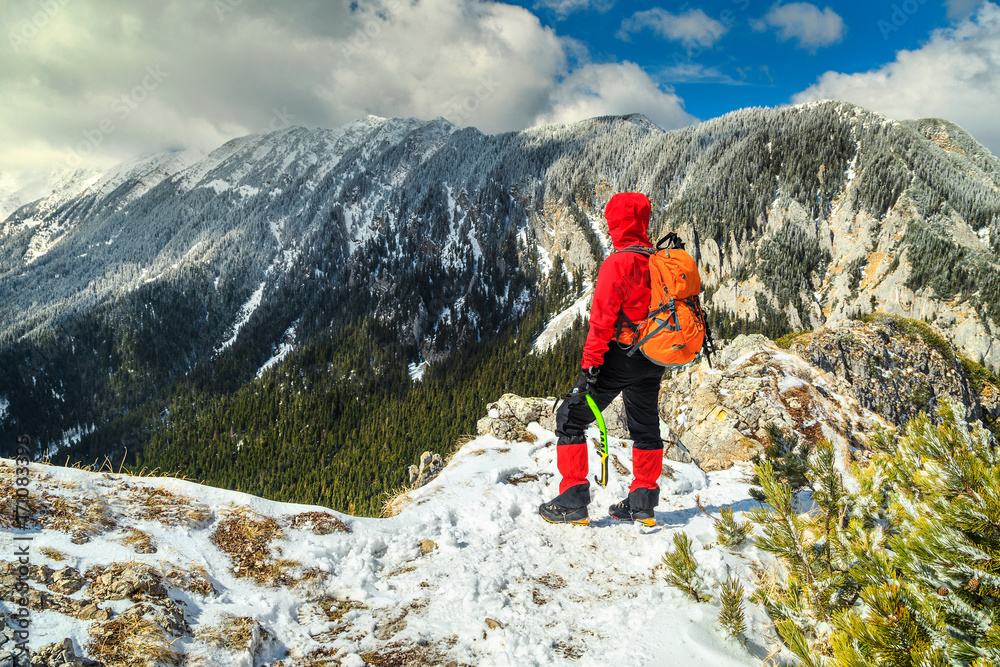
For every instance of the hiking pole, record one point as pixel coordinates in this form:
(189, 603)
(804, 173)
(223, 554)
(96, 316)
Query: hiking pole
(603, 479)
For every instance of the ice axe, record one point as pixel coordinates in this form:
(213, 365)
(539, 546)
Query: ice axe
(576, 393)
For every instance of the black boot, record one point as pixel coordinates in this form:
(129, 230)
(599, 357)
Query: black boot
(623, 512)
(554, 513)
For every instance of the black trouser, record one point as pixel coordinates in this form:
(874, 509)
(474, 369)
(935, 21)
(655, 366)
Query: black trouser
(637, 379)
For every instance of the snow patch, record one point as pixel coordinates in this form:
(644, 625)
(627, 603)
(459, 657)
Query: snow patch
(246, 310)
(219, 186)
(548, 589)
(787, 382)
(4, 407)
(561, 323)
(417, 371)
(287, 345)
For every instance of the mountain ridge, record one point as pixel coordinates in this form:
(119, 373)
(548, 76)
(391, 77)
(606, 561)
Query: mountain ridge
(443, 236)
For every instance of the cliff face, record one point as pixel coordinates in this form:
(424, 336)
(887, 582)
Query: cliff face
(721, 414)
(839, 382)
(894, 367)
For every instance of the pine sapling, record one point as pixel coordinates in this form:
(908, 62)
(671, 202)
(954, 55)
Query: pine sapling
(833, 508)
(731, 616)
(788, 459)
(731, 533)
(682, 569)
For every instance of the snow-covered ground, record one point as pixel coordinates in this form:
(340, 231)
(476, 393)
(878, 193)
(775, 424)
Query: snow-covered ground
(467, 571)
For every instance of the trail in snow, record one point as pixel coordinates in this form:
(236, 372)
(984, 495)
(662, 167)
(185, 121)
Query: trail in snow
(554, 595)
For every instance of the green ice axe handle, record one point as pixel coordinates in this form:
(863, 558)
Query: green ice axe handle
(603, 479)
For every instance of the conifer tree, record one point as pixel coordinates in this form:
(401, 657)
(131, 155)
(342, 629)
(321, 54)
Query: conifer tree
(682, 569)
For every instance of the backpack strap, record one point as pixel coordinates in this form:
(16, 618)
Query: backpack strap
(624, 322)
(670, 240)
(641, 249)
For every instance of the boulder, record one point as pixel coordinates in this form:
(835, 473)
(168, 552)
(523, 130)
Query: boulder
(507, 418)
(720, 415)
(132, 581)
(60, 654)
(430, 467)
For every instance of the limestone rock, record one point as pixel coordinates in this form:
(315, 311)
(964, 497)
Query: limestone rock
(60, 654)
(10, 655)
(506, 418)
(67, 581)
(989, 399)
(430, 467)
(720, 415)
(133, 581)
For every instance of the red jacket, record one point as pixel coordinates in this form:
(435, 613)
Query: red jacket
(623, 280)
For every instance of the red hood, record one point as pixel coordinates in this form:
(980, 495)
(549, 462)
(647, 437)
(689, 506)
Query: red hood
(628, 219)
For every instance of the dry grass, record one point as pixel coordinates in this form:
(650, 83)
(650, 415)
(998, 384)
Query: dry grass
(552, 581)
(6, 480)
(53, 554)
(394, 501)
(336, 609)
(522, 478)
(398, 655)
(157, 504)
(246, 538)
(235, 633)
(322, 523)
(85, 517)
(193, 579)
(140, 541)
(131, 641)
(620, 467)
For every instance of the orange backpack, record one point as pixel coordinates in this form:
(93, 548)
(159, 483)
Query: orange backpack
(675, 330)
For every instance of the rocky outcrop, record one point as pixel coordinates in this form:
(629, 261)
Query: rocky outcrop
(132, 581)
(507, 418)
(431, 465)
(60, 654)
(895, 367)
(66, 580)
(10, 654)
(720, 415)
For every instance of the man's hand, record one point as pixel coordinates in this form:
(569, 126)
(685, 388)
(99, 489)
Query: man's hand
(590, 375)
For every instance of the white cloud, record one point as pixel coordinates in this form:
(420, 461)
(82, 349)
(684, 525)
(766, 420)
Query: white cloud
(615, 89)
(804, 22)
(693, 28)
(225, 68)
(956, 76)
(566, 7)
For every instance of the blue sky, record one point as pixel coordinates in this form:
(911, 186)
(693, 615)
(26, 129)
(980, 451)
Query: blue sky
(94, 82)
(744, 66)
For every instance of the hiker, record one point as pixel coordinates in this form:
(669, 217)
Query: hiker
(621, 297)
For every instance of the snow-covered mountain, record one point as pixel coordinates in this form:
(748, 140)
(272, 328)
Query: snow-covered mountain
(234, 259)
